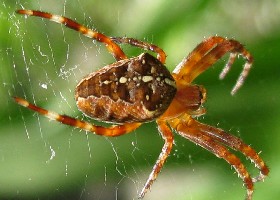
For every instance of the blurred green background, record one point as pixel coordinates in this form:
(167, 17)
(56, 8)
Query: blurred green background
(43, 62)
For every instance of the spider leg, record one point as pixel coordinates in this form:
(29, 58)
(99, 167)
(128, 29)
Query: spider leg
(161, 56)
(207, 53)
(235, 143)
(112, 47)
(166, 149)
(111, 131)
(189, 131)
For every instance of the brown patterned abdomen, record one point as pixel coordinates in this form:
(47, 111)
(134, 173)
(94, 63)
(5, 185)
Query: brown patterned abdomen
(139, 89)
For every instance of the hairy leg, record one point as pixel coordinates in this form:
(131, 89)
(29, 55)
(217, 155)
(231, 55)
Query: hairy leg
(166, 149)
(234, 143)
(186, 130)
(206, 54)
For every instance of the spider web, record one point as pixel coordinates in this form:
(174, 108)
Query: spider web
(46, 159)
(43, 61)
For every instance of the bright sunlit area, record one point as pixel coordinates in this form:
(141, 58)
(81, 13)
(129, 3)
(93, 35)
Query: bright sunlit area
(42, 62)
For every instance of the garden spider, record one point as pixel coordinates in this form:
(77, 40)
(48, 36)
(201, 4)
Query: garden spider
(135, 90)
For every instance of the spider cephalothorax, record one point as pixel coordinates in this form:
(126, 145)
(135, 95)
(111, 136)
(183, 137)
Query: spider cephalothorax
(140, 89)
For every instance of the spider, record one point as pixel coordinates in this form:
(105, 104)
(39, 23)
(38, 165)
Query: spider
(137, 90)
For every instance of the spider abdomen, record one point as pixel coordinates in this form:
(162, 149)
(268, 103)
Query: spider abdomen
(133, 90)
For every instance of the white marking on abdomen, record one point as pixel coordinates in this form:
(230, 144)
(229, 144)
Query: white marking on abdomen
(146, 79)
(122, 80)
(170, 82)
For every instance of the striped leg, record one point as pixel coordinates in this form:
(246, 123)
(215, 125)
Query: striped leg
(112, 47)
(166, 149)
(235, 143)
(191, 132)
(207, 53)
(161, 56)
(111, 131)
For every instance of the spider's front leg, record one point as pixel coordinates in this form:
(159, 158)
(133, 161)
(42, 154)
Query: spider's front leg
(167, 135)
(112, 47)
(111, 131)
(161, 56)
(206, 54)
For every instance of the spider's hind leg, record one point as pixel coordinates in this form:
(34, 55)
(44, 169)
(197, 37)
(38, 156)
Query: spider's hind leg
(236, 144)
(189, 130)
(111, 131)
(215, 140)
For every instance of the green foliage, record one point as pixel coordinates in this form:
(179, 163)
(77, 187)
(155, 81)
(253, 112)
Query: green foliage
(43, 61)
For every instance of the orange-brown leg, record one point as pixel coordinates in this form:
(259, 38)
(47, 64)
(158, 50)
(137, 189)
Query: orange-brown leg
(206, 54)
(185, 129)
(234, 143)
(185, 67)
(112, 47)
(161, 56)
(111, 131)
(166, 149)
